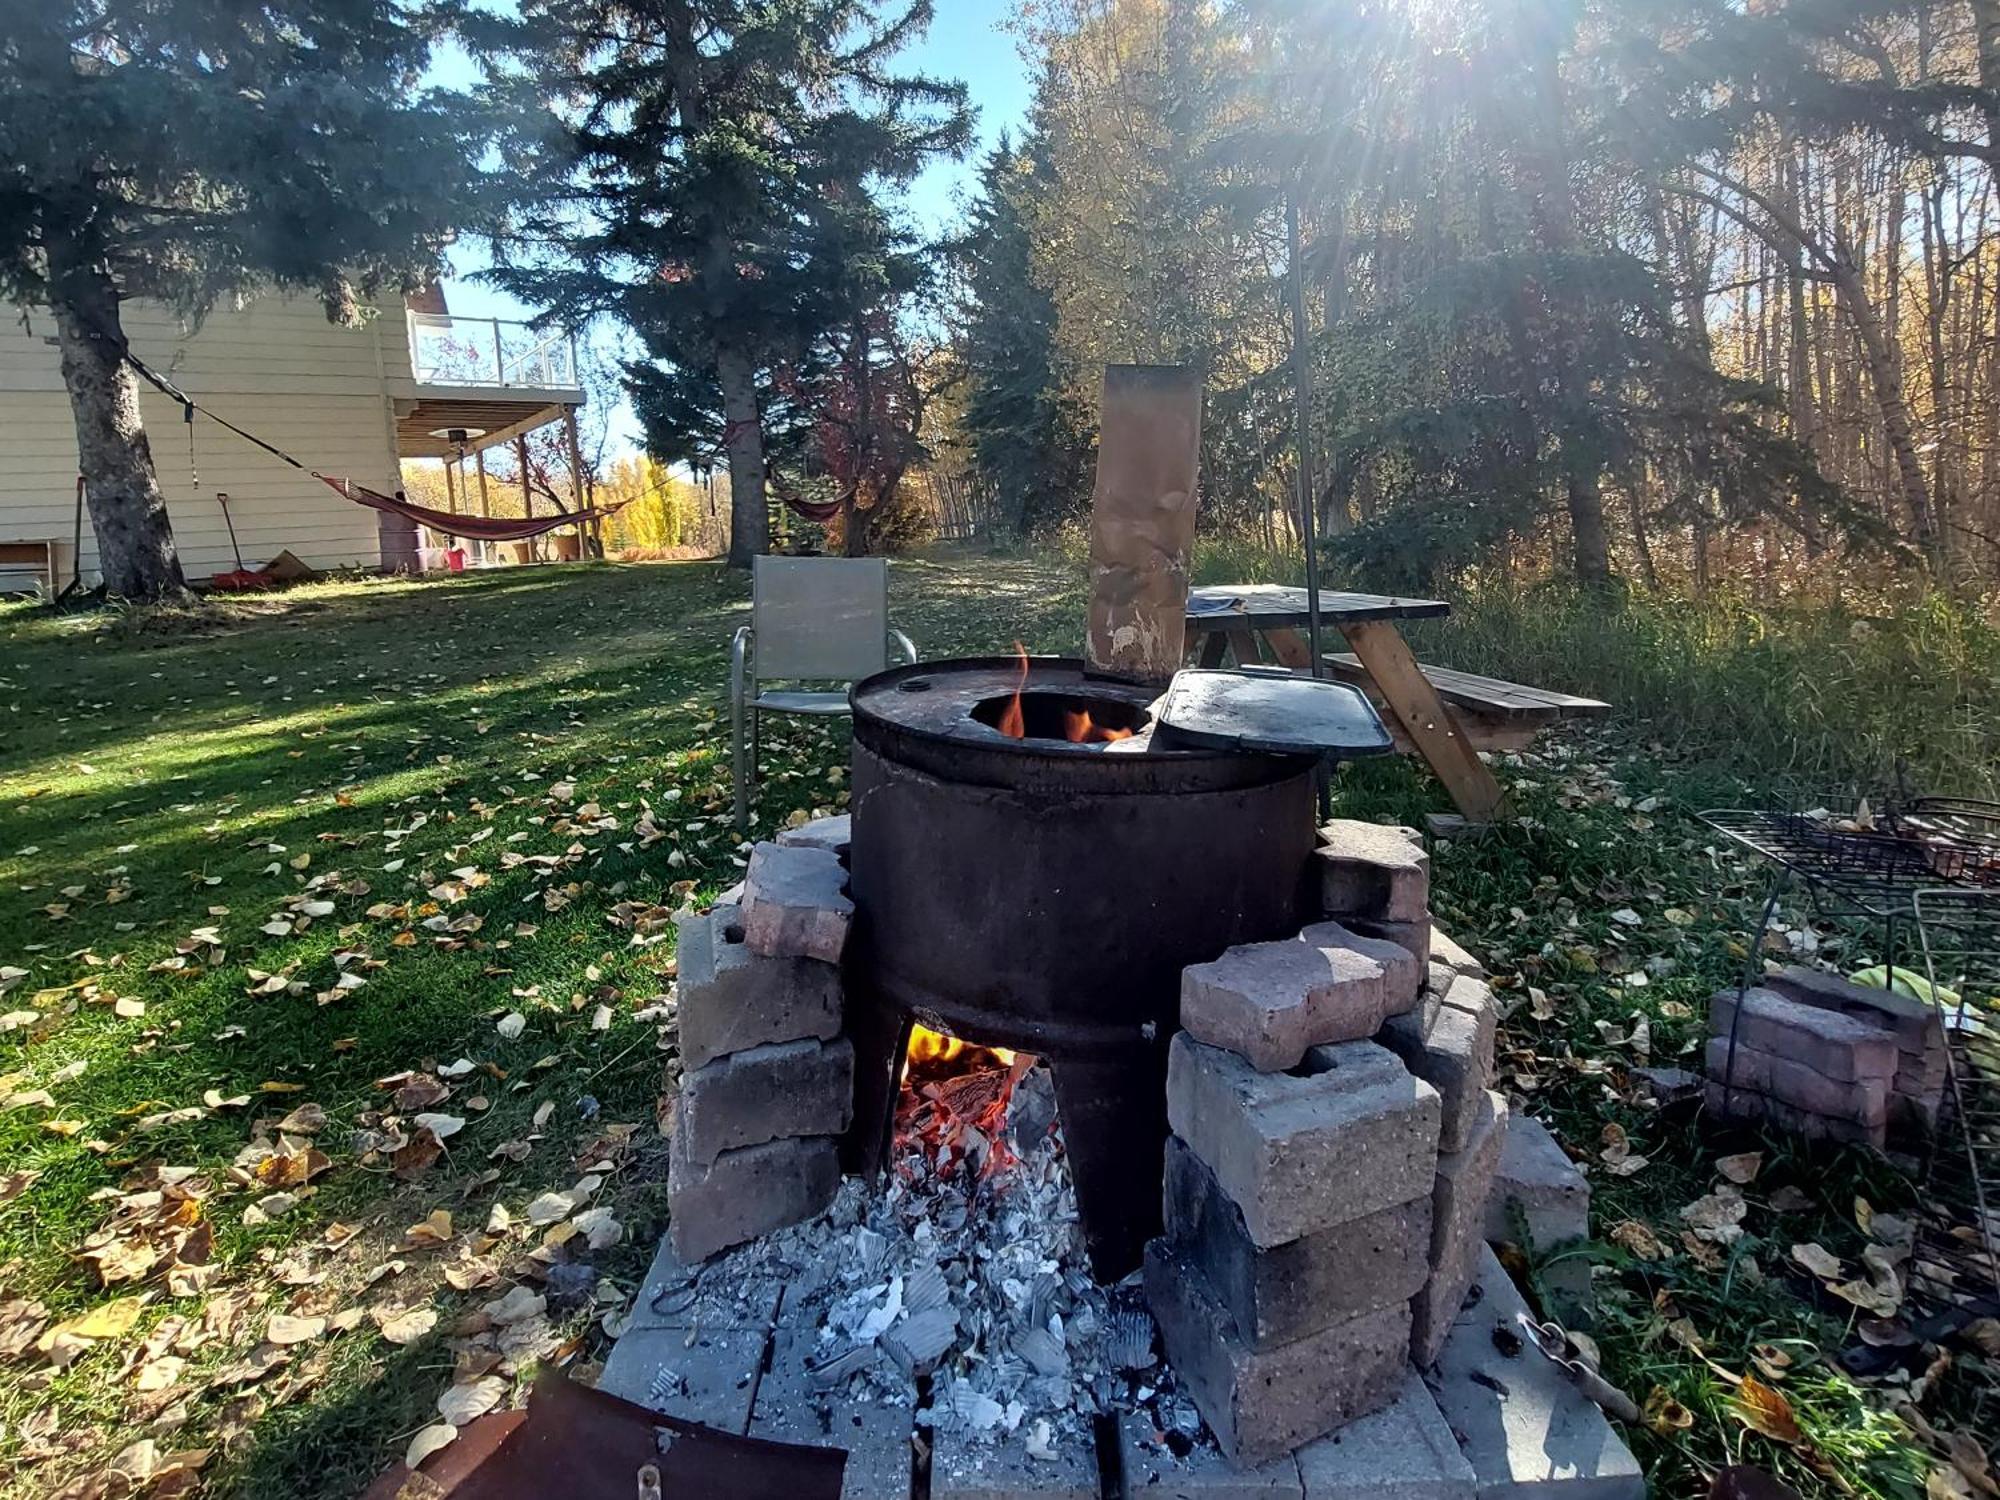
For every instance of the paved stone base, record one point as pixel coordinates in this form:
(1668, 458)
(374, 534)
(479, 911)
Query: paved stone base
(1261, 1406)
(706, 1375)
(1525, 1430)
(962, 1469)
(1154, 1472)
(1403, 1452)
(875, 1434)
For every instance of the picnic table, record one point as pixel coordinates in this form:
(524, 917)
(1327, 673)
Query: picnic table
(1234, 618)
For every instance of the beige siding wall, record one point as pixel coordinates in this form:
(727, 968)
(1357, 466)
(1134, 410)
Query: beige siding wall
(277, 368)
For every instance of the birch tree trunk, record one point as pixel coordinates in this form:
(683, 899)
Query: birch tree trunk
(135, 541)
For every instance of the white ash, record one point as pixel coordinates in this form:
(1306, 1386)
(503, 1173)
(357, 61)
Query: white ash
(980, 1283)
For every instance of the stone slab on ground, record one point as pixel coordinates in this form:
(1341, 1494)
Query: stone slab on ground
(1268, 1002)
(1403, 1452)
(670, 1295)
(746, 1193)
(1453, 1054)
(1376, 871)
(795, 903)
(1154, 1472)
(1537, 1191)
(1458, 1224)
(966, 1468)
(1261, 1406)
(1354, 1134)
(1287, 1291)
(765, 1094)
(874, 1433)
(834, 833)
(1865, 1101)
(1824, 1040)
(706, 1375)
(1526, 1431)
(731, 1000)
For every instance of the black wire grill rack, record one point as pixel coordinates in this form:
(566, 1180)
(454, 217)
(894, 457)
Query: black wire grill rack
(1922, 877)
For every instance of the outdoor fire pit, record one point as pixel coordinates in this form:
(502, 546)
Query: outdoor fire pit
(1031, 870)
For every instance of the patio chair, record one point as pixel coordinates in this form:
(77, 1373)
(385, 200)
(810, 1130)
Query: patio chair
(812, 619)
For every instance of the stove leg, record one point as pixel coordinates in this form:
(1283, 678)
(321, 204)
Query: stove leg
(1114, 1125)
(881, 1037)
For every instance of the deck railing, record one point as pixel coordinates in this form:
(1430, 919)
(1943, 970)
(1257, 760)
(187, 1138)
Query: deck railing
(447, 349)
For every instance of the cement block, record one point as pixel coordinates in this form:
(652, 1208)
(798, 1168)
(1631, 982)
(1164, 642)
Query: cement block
(795, 903)
(874, 1433)
(1288, 1291)
(1261, 1406)
(1374, 871)
(1414, 938)
(1539, 1188)
(1347, 1133)
(1403, 1452)
(766, 1094)
(1268, 1002)
(1865, 1101)
(1402, 973)
(1454, 1055)
(1458, 1223)
(1824, 1040)
(1527, 1432)
(1917, 1026)
(833, 834)
(731, 1000)
(1747, 1104)
(967, 1466)
(747, 1192)
(705, 1375)
(1154, 1472)
(1447, 950)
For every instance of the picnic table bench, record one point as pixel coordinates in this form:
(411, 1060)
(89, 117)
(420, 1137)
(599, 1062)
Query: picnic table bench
(1485, 713)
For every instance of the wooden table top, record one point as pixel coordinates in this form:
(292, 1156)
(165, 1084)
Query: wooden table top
(1277, 606)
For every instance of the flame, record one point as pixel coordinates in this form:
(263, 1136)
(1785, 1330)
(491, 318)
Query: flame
(1013, 723)
(927, 1046)
(1080, 729)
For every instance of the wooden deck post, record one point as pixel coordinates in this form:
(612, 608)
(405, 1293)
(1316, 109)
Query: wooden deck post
(578, 479)
(485, 499)
(527, 489)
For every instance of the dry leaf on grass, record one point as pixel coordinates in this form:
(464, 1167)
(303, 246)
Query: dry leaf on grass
(1817, 1259)
(1741, 1168)
(428, 1441)
(1664, 1414)
(284, 1329)
(471, 1400)
(1717, 1216)
(403, 1325)
(1764, 1409)
(1634, 1236)
(518, 1304)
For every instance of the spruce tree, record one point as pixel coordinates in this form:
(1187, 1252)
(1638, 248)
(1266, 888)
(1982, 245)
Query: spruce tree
(676, 159)
(188, 151)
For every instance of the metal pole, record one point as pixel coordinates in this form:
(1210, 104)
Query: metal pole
(1302, 401)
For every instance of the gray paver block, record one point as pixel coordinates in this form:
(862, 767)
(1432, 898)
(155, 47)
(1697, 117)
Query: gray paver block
(795, 903)
(1748, 1104)
(1268, 1002)
(834, 833)
(1917, 1025)
(1375, 871)
(1538, 1185)
(874, 1432)
(1402, 972)
(731, 1000)
(1458, 1223)
(765, 1094)
(1414, 938)
(1355, 1134)
(746, 1193)
(1282, 1293)
(1154, 1472)
(1261, 1406)
(1864, 1101)
(1403, 1452)
(967, 1468)
(699, 1374)
(1454, 1055)
(1447, 950)
(1824, 1040)
(1526, 1431)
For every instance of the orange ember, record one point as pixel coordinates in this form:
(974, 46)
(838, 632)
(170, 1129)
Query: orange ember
(1080, 729)
(1013, 723)
(954, 1100)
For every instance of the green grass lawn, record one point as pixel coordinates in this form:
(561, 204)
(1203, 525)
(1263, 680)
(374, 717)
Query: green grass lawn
(310, 843)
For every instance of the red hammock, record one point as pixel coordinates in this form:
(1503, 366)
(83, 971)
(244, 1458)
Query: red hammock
(483, 528)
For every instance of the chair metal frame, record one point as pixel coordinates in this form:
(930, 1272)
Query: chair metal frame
(826, 619)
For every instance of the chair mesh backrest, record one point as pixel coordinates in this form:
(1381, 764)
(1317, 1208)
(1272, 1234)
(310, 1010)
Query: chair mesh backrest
(820, 617)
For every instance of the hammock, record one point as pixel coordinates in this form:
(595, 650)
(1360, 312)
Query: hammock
(482, 528)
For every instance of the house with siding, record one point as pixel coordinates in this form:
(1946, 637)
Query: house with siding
(414, 382)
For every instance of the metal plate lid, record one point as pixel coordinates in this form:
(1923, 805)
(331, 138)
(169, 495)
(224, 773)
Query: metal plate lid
(1270, 711)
